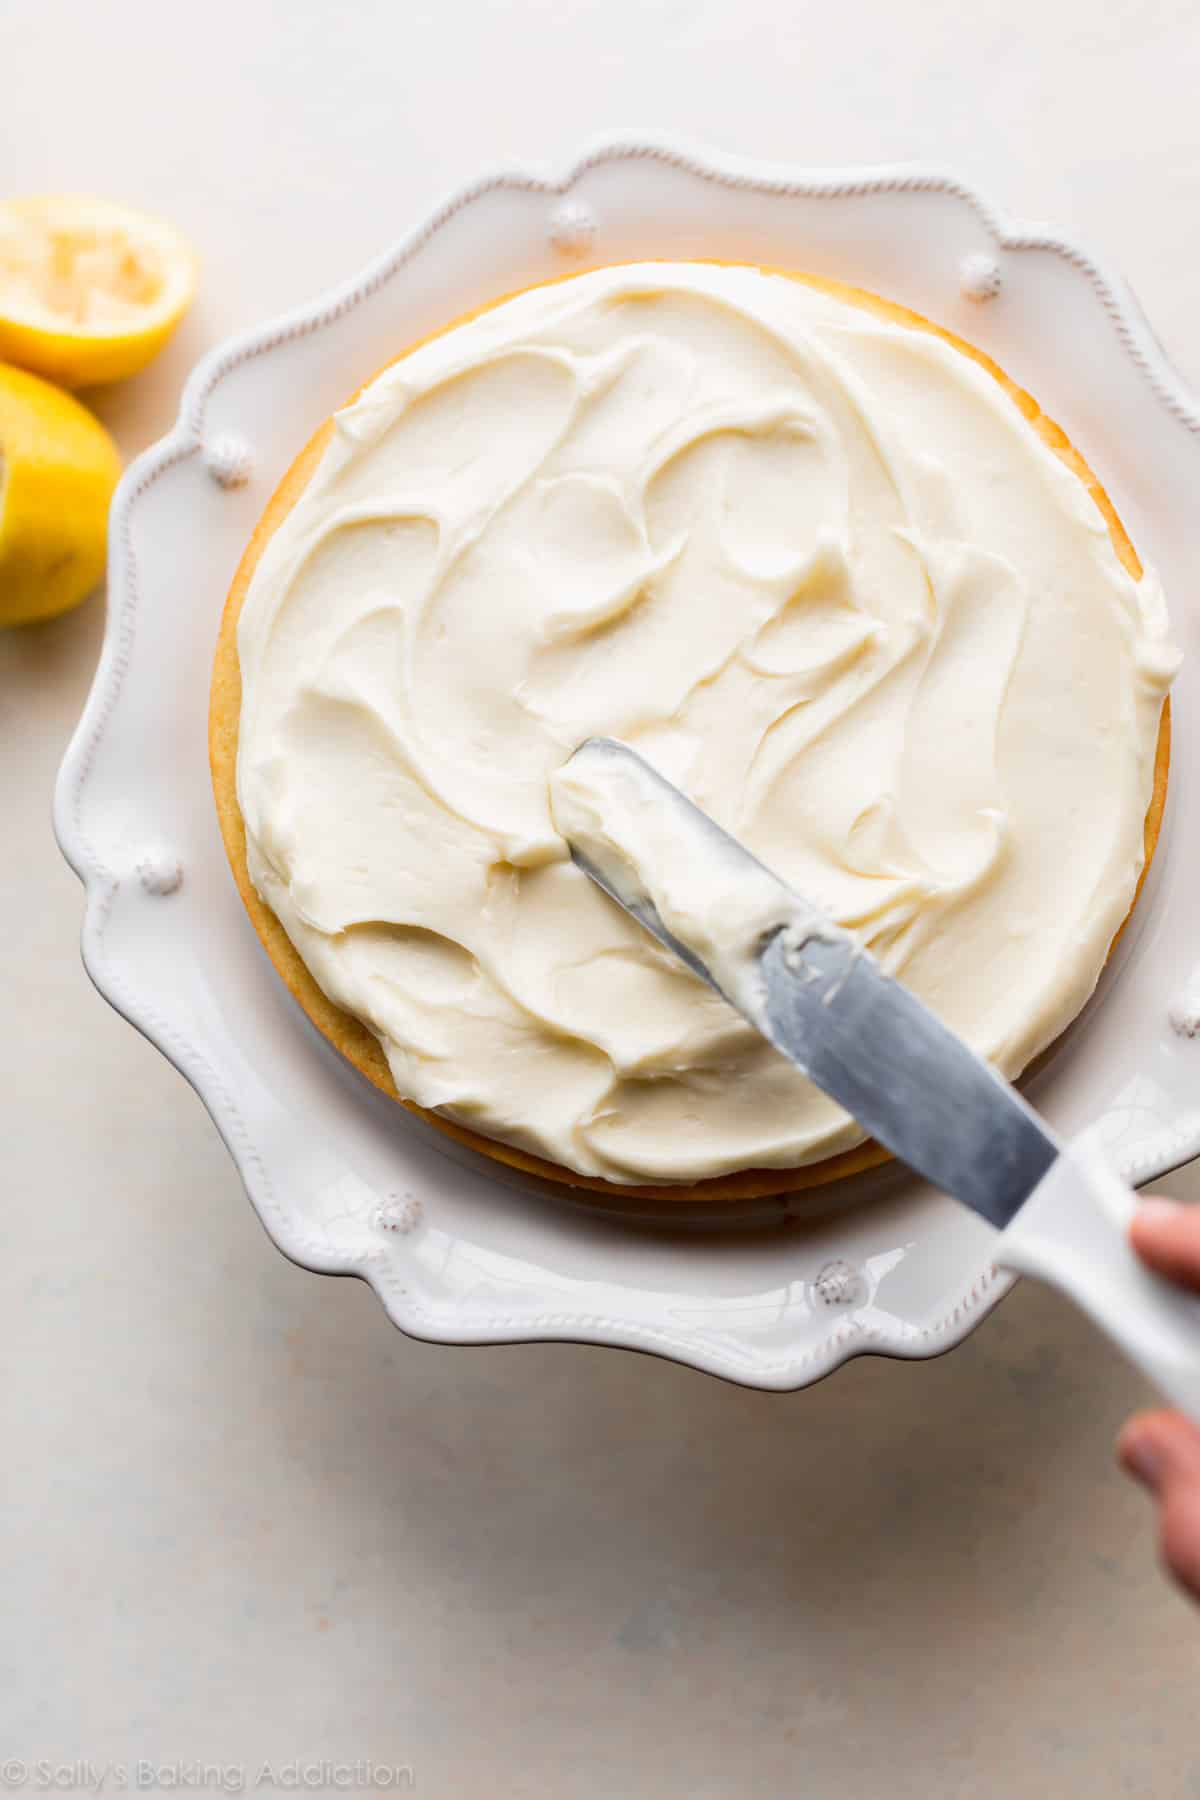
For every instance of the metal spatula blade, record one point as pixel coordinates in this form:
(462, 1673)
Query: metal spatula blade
(824, 1002)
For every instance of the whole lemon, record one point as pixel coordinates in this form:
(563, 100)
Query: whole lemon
(58, 469)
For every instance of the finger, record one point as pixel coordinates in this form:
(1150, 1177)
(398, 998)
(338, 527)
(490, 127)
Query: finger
(1162, 1451)
(1158, 1447)
(1167, 1236)
(1179, 1535)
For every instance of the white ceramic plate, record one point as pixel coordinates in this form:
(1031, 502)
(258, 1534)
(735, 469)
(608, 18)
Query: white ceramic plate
(774, 1293)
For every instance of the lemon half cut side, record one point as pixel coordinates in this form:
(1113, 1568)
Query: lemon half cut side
(89, 291)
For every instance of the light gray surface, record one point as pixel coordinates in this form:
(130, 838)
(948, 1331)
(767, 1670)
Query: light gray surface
(242, 1518)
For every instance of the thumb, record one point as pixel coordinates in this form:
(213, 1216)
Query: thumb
(1162, 1451)
(1166, 1235)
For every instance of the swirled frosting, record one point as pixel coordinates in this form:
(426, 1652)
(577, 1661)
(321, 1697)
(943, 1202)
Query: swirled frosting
(818, 568)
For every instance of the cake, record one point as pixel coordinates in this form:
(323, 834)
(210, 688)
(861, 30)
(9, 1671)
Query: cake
(823, 564)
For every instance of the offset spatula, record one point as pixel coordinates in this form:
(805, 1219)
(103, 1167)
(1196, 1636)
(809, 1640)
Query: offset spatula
(1061, 1211)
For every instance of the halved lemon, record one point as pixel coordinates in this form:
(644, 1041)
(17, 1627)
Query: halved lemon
(89, 291)
(58, 469)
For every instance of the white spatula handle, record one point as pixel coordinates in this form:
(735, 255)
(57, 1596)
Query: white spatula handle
(1073, 1232)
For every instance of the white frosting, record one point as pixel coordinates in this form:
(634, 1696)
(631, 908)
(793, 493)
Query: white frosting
(662, 859)
(819, 570)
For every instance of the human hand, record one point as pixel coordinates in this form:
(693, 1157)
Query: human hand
(1162, 1449)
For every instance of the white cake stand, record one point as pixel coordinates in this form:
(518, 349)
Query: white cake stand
(774, 1293)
